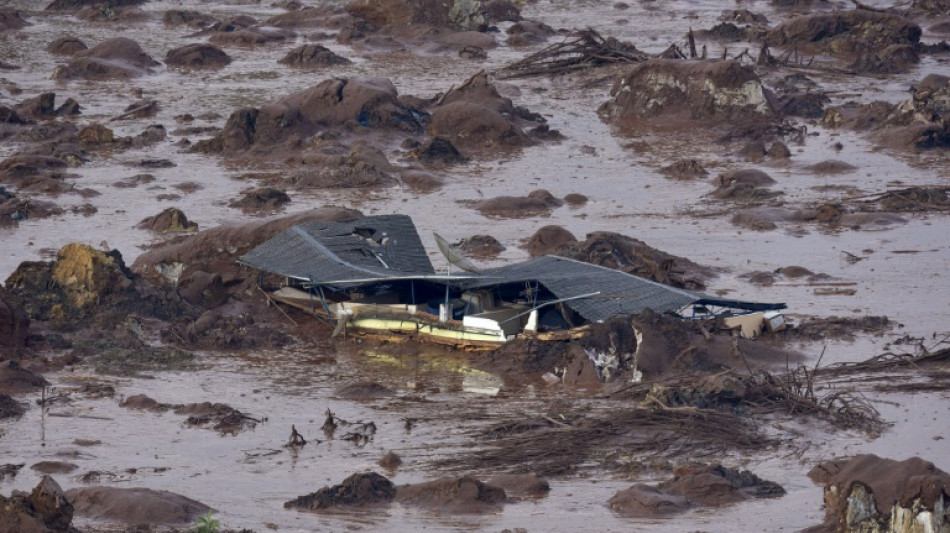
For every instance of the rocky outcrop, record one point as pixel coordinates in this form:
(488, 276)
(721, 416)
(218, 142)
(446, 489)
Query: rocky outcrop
(871, 494)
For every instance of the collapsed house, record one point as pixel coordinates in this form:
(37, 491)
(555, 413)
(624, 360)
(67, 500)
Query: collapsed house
(373, 276)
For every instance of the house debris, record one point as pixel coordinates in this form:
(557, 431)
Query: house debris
(373, 276)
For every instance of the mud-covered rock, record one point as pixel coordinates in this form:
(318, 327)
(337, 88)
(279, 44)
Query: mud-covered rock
(396, 12)
(692, 486)
(438, 150)
(528, 33)
(14, 329)
(464, 494)
(481, 246)
(171, 220)
(247, 37)
(870, 493)
(364, 390)
(474, 115)
(115, 58)
(14, 379)
(358, 490)
(45, 510)
(187, 17)
(73, 5)
(831, 166)
(12, 20)
(135, 505)
(44, 107)
(684, 169)
(846, 34)
(261, 200)
(522, 485)
(10, 408)
(77, 283)
(664, 93)
(197, 56)
(548, 240)
(312, 56)
(332, 103)
(539, 202)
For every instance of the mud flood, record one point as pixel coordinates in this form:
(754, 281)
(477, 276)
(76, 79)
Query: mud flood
(848, 228)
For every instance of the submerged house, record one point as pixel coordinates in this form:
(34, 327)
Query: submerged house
(373, 276)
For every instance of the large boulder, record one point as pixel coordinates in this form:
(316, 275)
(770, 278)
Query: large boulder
(115, 58)
(312, 56)
(674, 93)
(870, 493)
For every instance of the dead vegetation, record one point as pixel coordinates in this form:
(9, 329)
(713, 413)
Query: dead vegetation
(582, 49)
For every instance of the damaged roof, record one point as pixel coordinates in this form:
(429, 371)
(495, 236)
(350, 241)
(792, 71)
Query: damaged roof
(387, 248)
(367, 249)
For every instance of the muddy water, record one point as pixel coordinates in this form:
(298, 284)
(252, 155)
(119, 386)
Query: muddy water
(902, 275)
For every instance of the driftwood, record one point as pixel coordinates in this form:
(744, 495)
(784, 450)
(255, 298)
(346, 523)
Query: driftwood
(583, 49)
(296, 439)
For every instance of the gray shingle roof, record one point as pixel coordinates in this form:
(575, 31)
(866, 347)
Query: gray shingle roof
(620, 293)
(374, 247)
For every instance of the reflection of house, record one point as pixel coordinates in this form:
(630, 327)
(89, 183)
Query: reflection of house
(373, 275)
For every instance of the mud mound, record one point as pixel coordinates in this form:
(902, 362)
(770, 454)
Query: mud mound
(364, 390)
(333, 103)
(480, 246)
(539, 202)
(400, 12)
(674, 93)
(14, 329)
(703, 486)
(17, 380)
(528, 33)
(747, 176)
(464, 494)
(312, 56)
(45, 510)
(474, 115)
(831, 166)
(197, 56)
(684, 169)
(216, 249)
(11, 20)
(236, 33)
(10, 408)
(548, 240)
(358, 490)
(53, 467)
(522, 485)
(116, 58)
(218, 416)
(135, 505)
(261, 200)
(72, 5)
(846, 34)
(634, 256)
(845, 328)
(870, 493)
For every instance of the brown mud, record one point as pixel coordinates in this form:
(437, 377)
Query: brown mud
(825, 127)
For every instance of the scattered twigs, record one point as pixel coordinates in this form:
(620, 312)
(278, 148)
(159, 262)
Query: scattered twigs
(582, 49)
(296, 439)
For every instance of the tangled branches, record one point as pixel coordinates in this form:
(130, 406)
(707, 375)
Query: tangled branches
(586, 48)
